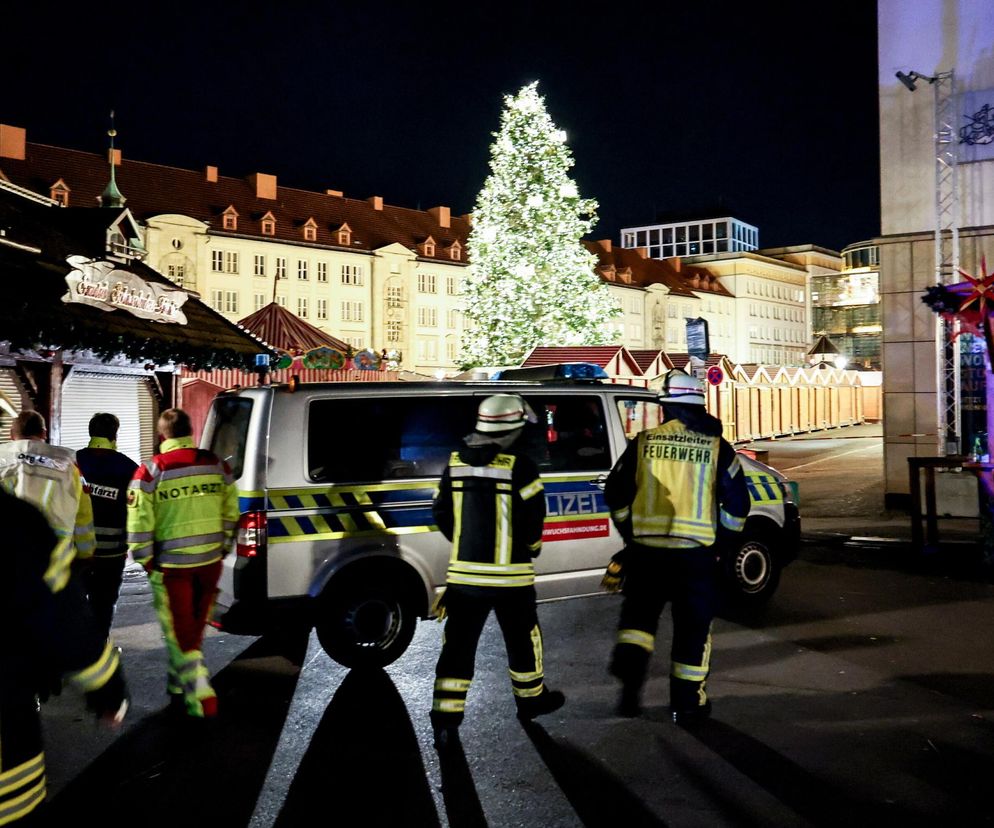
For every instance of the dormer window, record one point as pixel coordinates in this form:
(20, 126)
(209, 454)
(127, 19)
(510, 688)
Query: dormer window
(455, 251)
(427, 247)
(310, 230)
(59, 192)
(345, 235)
(269, 225)
(229, 218)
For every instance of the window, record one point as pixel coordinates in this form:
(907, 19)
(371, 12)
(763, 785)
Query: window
(302, 270)
(427, 350)
(451, 350)
(259, 300)
(259, 265)
(636, 305)
(671, 311)
(280, 267)
(355, 342)
(427, 317)
(230, 301)
(217, 261)
(268, 225)
(426, 283)
(176, 273)
(394, 331)
(639, 415)
(322, 308)
(302, 307)
(60, 194)
(230, 261)
(281, 301)
(310, 231)
(217, 300)
(229, 221)
(452, 319)
(344, 235)
(352, 311)
(455, 252)
(351, 274)
(395, 297)
(452, 285)
(429, 248)
(322, 271)
(231, 424)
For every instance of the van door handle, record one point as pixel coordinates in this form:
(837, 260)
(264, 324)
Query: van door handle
(600, 481)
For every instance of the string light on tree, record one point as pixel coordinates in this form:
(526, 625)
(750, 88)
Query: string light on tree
(533, 282)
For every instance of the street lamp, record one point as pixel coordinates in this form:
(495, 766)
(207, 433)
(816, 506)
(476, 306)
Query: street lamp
(908, 79)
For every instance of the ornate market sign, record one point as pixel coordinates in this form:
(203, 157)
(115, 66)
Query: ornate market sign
(104, 285)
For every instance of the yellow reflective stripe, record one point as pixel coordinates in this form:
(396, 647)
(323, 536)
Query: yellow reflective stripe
(730, 521)
(347, 521)
(457, 525)
(689, 672)
(22, 805)
(531, 490)
(536, 637)
(57, 574)
(449, 705)
(22, 774)
(622, 514)
(503, 539)
(505, 569)
(528, 692)
(96, 675)
(320, 523)
(493, 580)
(371, 514)
(639, 638)
(534, 547)
(454, 685)
(523, 677)
(314, 536)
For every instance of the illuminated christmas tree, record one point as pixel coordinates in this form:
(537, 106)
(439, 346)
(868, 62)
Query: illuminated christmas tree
(532, 281)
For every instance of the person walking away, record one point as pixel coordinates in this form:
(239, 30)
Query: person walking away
(44, 637)
(490, 504)
(676, 494)
(106, 474)
(182, 514)
(47, 477)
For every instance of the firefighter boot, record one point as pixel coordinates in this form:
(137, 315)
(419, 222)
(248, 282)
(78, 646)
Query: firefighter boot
(629, 703)
(691, 716)
(548, 701)
(445, 732)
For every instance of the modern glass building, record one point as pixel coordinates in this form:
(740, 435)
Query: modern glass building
(845, 306)
(692, 238)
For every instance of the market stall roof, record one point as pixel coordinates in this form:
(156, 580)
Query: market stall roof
(36, 243)
(283, 330)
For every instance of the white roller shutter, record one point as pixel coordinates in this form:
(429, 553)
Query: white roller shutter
(11, 401)
(127, 397)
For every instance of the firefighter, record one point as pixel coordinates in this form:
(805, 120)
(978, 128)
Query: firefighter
(44, 637)
(182, 514)
(106, 475)
(490, 504)
(676, 495)
(47, 477)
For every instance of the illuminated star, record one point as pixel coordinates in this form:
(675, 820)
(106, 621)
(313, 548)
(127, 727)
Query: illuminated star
(982, 290)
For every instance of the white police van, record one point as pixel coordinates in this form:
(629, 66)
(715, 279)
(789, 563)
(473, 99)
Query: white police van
(336, 483)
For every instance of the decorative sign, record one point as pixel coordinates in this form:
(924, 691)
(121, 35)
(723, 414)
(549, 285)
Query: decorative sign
(976, 131)
(698, 342)
(324, 357)
(367, 360)
(715, 375)
(104, 285)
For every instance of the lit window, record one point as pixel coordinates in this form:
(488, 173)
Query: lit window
(393, 331)
(345, 235)
(268, 225)
(60, 193)
(310, 230)
(230, 301)
(230, 261)
(229, 220)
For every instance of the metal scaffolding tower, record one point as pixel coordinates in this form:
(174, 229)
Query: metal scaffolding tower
(947, 213)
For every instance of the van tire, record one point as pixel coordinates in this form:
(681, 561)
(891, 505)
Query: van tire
(751, 569)
(365, 625)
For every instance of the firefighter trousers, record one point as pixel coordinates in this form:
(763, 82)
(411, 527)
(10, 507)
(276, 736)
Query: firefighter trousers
(184, 598)
(467, 611)
(102, 578)
(688, 580)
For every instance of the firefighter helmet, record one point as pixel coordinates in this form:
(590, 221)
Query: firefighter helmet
(681, 388)
(503, 412)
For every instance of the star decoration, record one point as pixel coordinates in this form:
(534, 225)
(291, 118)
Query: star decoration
(982, 290)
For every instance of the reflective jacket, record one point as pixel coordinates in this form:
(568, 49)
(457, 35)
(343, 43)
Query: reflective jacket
(182, 507)
(490, 504)
(106, 475)
(46, 637)
(674, 487)
(47, 477)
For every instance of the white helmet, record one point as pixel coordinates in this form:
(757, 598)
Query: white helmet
(682, 388)
(503, 412)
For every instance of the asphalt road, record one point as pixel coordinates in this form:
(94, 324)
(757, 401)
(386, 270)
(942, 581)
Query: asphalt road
(863, 694)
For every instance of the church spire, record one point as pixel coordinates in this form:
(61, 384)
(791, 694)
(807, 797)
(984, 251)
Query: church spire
(112, 196)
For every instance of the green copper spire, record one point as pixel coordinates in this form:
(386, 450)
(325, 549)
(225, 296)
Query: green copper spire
(112, 196)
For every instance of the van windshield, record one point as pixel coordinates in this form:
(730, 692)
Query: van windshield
(230, 420)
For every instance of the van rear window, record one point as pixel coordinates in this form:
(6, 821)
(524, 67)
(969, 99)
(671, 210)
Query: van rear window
(230, 430)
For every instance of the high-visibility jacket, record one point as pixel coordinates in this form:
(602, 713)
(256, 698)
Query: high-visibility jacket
(674, 486)
(47, 637)
(491, 505)
(106, 476)
(47, 477)
(182, 507)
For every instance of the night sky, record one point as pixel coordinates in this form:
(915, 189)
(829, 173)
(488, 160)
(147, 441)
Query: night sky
(764, 111)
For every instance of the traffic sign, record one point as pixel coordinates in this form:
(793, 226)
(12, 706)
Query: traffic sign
(715, 375)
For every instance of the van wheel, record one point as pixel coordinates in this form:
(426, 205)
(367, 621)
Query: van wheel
(752, 571)
(365, 626)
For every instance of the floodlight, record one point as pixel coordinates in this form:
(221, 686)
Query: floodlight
(908, 79)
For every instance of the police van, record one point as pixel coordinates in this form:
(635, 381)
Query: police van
(336, 483)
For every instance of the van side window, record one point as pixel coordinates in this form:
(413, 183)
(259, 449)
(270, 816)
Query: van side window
(639, 415)
(570, 434)
(385, 438)
(230, 433)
